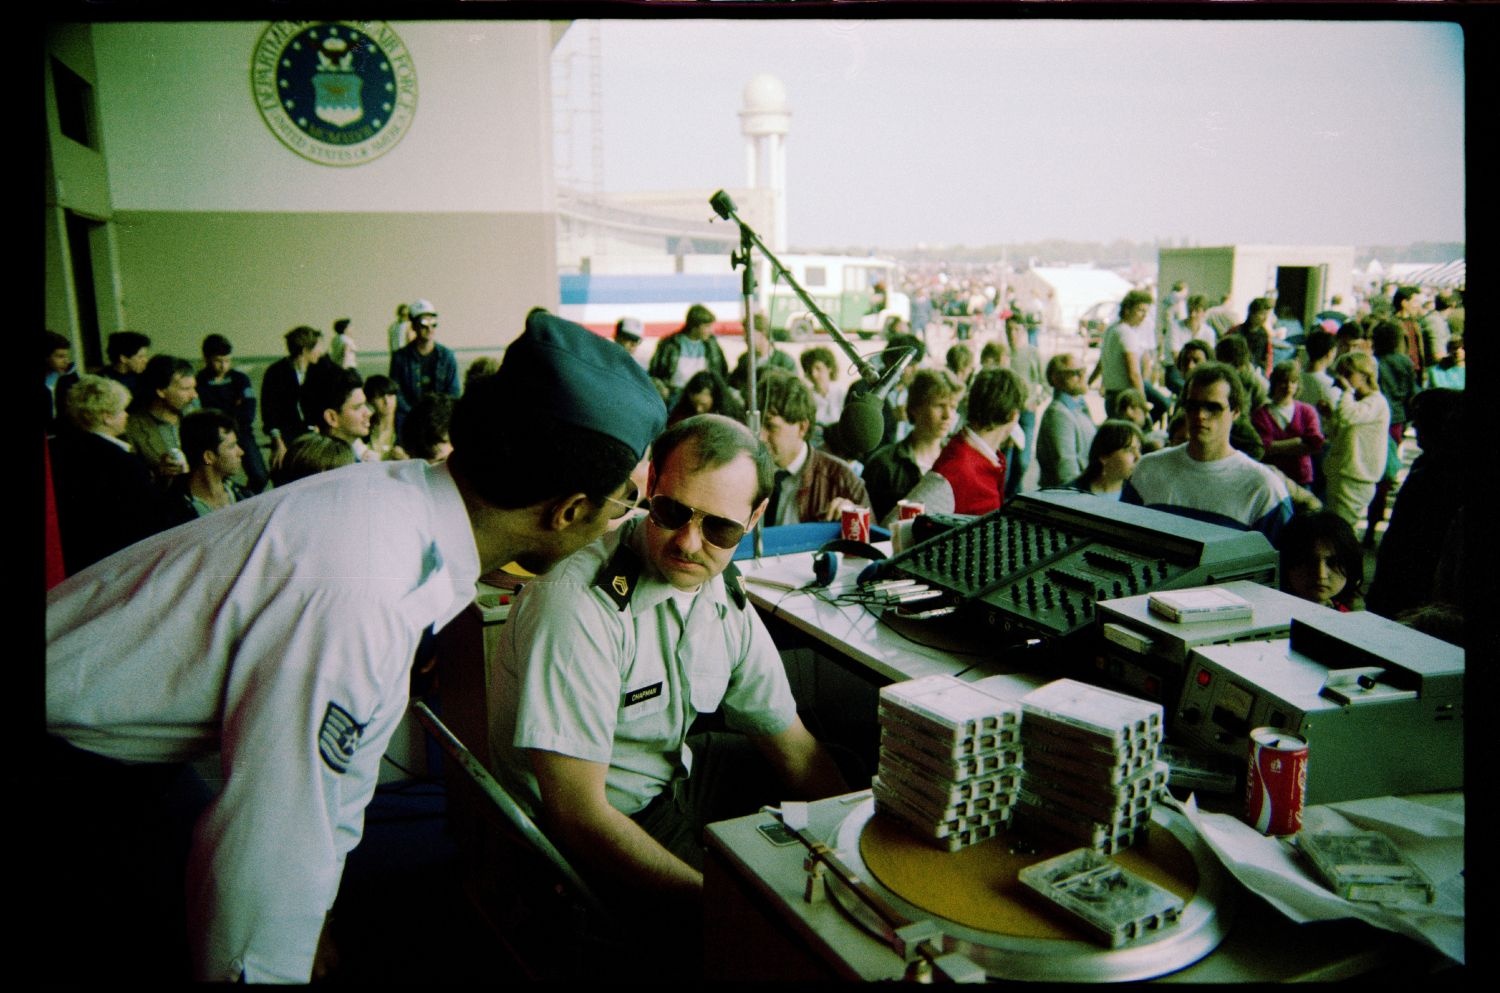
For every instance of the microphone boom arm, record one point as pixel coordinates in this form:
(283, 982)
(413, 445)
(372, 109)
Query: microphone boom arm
(725, 208)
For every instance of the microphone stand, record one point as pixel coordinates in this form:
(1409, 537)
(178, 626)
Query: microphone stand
(741, 259)
(747, 290)
(724, 207)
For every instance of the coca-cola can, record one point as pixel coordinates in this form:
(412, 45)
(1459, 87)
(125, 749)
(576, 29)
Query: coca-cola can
(907, 509)
(854, 524)
(1276, 782)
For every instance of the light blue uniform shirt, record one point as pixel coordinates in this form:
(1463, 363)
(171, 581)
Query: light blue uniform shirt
(607, 666)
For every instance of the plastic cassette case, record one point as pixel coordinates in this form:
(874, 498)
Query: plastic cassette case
(951, 834)
(950, 767)
(1115, 903)
(1144, 748)
(934, 739)
(1103, 836)
(940, 809)
(1365, 866)
(897, 769)
(945, 706)
(1099, 805)
(1068, 765)
(1092, 709)
(1084, 738)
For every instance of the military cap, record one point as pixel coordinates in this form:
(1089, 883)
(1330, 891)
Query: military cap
(567, 372)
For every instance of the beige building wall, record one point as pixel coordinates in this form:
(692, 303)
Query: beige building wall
(212, 224)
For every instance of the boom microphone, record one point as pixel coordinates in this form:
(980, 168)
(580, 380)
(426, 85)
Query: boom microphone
(862, 422)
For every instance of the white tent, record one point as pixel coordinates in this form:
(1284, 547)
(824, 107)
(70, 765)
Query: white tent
(1442, 274)
(1076, 290)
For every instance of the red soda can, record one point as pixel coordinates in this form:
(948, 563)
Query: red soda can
(854, 524)
(907, 509)
(1276, 783)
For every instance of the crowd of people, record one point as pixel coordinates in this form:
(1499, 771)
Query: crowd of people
(1305, 420)
(170, 442)
(284, 637)
(1248, 421)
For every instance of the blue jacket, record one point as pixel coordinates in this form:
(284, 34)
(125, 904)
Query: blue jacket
(406, 371)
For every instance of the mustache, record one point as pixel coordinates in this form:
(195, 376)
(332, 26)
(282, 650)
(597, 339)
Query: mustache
(676, 552)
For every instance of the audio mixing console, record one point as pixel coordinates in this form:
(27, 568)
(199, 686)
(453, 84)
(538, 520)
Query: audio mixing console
(1037, 566)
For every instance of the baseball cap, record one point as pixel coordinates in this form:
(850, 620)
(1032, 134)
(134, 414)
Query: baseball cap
(629, 328)
(419, 307)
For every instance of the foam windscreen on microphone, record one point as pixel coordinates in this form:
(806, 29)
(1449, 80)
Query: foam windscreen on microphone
(862, 425)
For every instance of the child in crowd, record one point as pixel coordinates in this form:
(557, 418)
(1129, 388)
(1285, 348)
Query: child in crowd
(425, 433)
(1357, 437)
(960, 361)
(310, 454)
(821, 372)
(1398, 380)
(1321, 560)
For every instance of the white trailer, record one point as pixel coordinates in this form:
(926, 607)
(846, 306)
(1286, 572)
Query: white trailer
(1305, 277)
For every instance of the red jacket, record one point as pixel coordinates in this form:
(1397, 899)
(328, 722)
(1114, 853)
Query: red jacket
(978, 484)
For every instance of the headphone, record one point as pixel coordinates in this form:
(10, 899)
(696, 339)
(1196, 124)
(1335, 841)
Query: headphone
(826, 563)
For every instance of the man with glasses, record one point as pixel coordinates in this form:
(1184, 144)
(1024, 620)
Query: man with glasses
(422, 366)
(284, 642)
(1067, 430)
(1207, 478)
(603, 666)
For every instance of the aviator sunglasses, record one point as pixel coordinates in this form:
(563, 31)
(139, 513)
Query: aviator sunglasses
(669, 515)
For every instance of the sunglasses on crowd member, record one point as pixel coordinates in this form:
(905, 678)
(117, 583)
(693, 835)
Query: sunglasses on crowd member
(669, 515)
(1210, 407)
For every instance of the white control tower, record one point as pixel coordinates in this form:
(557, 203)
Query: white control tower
(764, 122)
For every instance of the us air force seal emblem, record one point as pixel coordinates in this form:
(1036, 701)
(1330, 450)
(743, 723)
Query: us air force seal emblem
(338, 738)
(338, 93)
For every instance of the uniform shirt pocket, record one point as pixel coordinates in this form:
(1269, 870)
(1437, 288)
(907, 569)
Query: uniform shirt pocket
(709, 678)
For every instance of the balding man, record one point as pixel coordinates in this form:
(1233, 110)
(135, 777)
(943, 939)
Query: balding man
(603, 666)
